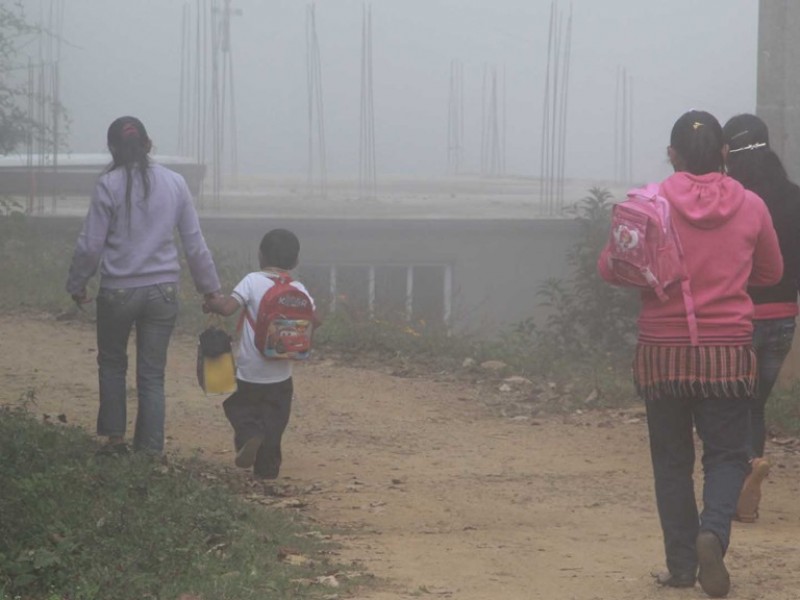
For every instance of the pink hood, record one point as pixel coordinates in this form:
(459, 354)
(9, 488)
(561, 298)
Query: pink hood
(729, 243)
(705, 201)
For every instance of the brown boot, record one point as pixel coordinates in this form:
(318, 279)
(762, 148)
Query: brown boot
(750, 496)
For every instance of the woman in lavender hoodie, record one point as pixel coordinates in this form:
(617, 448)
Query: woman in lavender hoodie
(129, 234)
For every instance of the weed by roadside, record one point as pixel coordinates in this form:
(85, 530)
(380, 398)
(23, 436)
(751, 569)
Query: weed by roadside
(783, 410)
(127, 527)
(33, 266)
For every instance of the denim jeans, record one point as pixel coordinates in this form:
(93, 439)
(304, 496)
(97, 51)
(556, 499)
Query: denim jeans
(721, 425)
(772, 340)
(152, 310)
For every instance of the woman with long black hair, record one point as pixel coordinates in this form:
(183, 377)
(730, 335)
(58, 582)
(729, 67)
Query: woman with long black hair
(755, 165)
(129, 234)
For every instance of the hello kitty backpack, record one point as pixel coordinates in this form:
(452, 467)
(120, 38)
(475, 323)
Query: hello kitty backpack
(644, 250)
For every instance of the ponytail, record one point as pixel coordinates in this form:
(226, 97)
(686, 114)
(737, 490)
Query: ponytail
(130, 148)
(697, 138)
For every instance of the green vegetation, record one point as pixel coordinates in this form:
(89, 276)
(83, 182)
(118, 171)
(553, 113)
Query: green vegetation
(81, 527)
(33, 265)
(783, 410)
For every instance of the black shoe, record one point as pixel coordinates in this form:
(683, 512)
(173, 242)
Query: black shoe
(268, 463)
(266, 475)
(267, 469)
(713, 575)
(676, 580)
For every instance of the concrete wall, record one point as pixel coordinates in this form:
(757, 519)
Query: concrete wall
(779, 100)
(497, 265)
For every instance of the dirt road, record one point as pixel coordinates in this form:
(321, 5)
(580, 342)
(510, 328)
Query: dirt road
(434, 494)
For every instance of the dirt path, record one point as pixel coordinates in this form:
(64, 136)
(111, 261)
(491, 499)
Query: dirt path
(432, 493)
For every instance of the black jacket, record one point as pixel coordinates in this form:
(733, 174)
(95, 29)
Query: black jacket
(783, 201)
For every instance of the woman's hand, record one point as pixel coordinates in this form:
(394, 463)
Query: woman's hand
(220, 304)
(211, 302)
(81, 298)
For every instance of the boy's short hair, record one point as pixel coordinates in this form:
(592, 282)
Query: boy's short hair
(279, 248)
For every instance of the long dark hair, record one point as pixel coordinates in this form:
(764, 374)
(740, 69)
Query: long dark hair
(130, 146)
(697, 138)
(751, 161)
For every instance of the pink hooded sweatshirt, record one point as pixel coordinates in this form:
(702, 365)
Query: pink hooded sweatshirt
(728, 243)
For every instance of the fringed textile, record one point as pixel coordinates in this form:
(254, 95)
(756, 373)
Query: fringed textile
(694, 371)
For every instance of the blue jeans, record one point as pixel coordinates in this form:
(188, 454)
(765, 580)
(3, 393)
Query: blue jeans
(772, 340)
(721, 425)
(152, 310)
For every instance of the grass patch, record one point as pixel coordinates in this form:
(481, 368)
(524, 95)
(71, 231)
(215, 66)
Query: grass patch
(416, 348)
(783, 410)
(81, 527)
(33, 265)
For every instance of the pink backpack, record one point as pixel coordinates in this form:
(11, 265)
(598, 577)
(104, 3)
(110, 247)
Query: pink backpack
(644, 249)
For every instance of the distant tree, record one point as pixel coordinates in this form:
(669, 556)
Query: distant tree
(15, 122)
(14, 28)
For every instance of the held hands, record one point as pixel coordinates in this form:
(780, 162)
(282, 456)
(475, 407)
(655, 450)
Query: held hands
(212, 302)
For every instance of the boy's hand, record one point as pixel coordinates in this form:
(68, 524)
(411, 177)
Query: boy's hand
(208, 301)
(209, 305)
(213, 302)
(220, 304)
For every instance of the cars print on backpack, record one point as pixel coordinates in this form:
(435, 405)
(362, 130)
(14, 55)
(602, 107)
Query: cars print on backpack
(284, 325)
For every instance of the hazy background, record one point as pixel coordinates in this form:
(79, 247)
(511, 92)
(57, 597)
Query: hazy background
(123, 57)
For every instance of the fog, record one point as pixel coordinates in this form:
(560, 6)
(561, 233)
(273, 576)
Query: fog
(124, 58)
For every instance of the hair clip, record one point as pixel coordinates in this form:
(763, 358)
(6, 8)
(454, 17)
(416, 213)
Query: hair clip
(750, 147)
(697, 125)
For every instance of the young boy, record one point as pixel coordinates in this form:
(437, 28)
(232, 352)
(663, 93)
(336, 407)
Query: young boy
(259, 409)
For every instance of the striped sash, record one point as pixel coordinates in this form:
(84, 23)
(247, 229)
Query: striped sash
(694, 371)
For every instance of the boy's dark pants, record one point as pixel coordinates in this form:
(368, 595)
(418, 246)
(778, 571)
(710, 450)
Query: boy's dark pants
(261, 409)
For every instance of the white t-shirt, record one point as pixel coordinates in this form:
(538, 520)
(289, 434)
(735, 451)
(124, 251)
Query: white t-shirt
(251, 365)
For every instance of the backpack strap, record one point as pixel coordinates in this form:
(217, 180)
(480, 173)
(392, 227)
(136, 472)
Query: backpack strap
(275, 276)
(686, 291)
(688, 302)
(245, 314)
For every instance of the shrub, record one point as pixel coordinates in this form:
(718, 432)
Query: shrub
(588, 318)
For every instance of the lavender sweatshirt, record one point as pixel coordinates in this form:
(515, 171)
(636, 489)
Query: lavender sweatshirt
(144, 253)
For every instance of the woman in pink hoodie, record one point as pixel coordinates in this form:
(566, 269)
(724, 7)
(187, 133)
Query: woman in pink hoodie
(729, 243)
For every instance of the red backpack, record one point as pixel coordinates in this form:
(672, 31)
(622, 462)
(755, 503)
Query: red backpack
(645, 251)
(285, 321)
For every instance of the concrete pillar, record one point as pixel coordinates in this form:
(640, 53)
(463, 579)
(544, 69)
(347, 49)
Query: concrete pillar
(778, 103)
(778, 97)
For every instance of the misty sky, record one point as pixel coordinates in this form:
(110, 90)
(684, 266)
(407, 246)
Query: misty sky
(123, 57)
